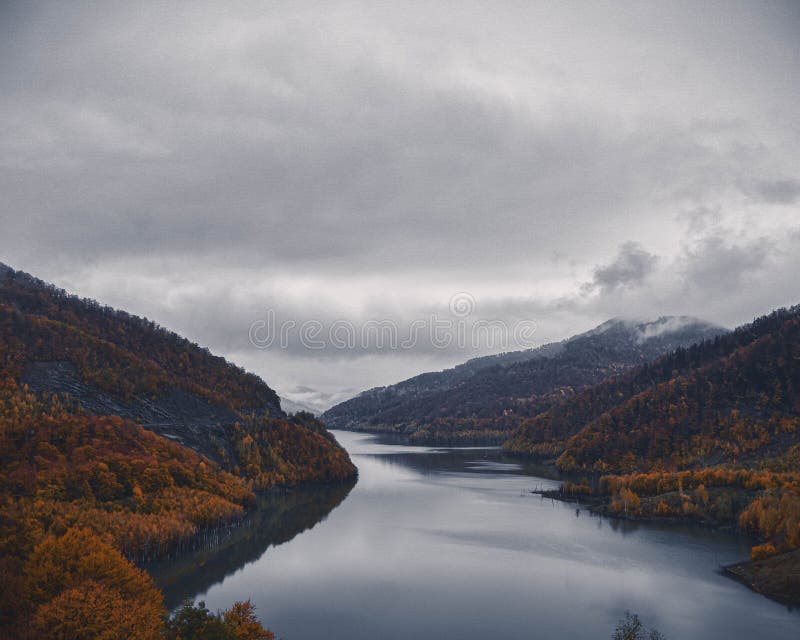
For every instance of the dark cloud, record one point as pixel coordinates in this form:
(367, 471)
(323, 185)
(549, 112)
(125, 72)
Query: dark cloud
(629, 269)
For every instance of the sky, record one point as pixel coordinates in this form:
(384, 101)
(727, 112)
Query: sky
(235, 170)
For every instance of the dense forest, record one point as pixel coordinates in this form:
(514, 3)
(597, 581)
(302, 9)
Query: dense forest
(107, 362)
(483, 400)
(710, 432)
(121, 353)
(87, 491)
(82, 498)
(725, 399)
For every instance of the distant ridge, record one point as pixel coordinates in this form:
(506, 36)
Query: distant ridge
(717, 401)
(484, 399)
(290, 406)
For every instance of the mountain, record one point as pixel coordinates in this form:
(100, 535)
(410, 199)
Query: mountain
(484, 399)
(112, 363)
(732, 398)
(290, 406)
(708, 433)
(119, 442)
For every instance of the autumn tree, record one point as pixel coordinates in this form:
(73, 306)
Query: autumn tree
(241, 617)
(196, 622)
(78, 581)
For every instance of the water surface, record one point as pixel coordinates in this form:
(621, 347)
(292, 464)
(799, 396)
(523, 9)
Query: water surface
(448, 544)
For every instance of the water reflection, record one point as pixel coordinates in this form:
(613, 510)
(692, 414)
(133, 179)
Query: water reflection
(431, 460)
(449, 544)
(278, 518)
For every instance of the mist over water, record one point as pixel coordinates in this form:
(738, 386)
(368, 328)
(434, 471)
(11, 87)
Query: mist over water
(435, 543)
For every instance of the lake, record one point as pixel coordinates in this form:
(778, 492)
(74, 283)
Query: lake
(448, 543)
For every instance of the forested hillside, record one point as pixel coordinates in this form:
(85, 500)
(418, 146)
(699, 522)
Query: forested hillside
(728, 399)
(123, 354)
(108, 362)
(710, 433)
(484, 400)
(120, 437)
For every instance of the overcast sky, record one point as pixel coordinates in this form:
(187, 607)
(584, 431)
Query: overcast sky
(561, 163)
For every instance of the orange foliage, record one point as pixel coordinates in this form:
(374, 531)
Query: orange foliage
(278, 452)
(241, 617)
(81, 587)
(775, 516)
(61, 470)
(663, 509)
(761, 551)
(769, 502)
(65, 480)
(78, 492)
(626, 502)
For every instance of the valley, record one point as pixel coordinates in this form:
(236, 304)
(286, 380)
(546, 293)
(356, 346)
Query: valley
(119, 434)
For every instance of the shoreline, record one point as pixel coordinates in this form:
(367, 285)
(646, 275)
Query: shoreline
(770, 577)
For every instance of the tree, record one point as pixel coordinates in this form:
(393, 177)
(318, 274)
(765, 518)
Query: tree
(80, 582)
(196, 622)
(241, 617)
(90, 610)
(631, 628)
(192, 622)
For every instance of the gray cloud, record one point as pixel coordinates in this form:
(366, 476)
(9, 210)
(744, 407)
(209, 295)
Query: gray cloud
(718, 265)
(201, 163)
(778, 191)
(630, 268)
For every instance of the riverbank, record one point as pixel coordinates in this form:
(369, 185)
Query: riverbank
(776, 577)
(446, 533)
(278, 516)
